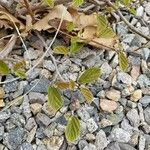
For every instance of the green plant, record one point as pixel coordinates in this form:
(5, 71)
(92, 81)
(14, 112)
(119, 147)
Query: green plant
(55, 99)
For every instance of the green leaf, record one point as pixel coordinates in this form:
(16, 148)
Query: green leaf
(54, 98)
(65, 85)
(4, 70)
(89, 75)
(103, 28)
(70, 26)
(126, 2)
(77, 3)
(75, 45)
(61, 50)
(87, 94)
(50, 3)
(72, 131)
(123, 61)
(19, 69)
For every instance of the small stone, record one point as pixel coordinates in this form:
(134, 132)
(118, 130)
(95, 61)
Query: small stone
(128, 38)
(105, 123)
(114, 118)
(147, 115)
(48, 110)
(83, 114)
(120, 135)
(2, 103)
(106, 68)
(46, 73)
(1, 132)
(32, 54)
(147, 8)
(82, 144)
(133, 117)
(113, 146)
(143, 81)
(124, 78)
(131, 104)
(27, 146)
(14, 138)
(101, 140)
(41, 147)
(140, 11)
(142, 141)
(145, 101)
(4, 116)
(113, 94)
(91, 125)
(41, 85)
(54, 143)
(42, 118)
(124, 146)
(134, 139)
(83, 127)
(40, 133)
(90, 137)
(35, 97)
(36, 108)
(126, 125)
(31, 135)
(2, 93)
(17, 119)
(30, 124)
(135, 72)
(2, 147)
(108, 105)
(26, 107)
(49, 131)
(90, 146)
(137, 94)
(127, 91)
(12, 86)
(49, 65)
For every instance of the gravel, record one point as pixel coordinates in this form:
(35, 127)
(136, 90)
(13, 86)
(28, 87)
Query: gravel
(117, 119)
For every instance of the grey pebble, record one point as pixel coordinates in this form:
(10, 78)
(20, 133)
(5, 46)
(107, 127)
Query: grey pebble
(120, 135)
(43, 119)
(143, 81)
(145, 101)
(49, 65)
(101, 140)
(83, 114)
(4, 116)
(41, 85)
(124, 146)
(1, 132)
(113, 146)
(26, 146)
(14, 138)
(147, 115)
(12, 86)
(26, 107)
(82, 144)
(133, 117)
(35, 97)
(91, 125)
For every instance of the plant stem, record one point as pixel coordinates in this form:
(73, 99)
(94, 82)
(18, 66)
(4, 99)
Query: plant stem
(26, 2)
(124, 19)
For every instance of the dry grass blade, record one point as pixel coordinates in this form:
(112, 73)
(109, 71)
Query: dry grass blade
(9, 46)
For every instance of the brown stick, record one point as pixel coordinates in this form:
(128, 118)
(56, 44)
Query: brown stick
(29, 9)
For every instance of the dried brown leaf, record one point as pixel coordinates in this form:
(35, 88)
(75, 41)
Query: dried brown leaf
(11, 20)
(56, 12)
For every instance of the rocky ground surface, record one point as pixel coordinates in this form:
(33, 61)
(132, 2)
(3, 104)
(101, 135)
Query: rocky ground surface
(117, 119)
